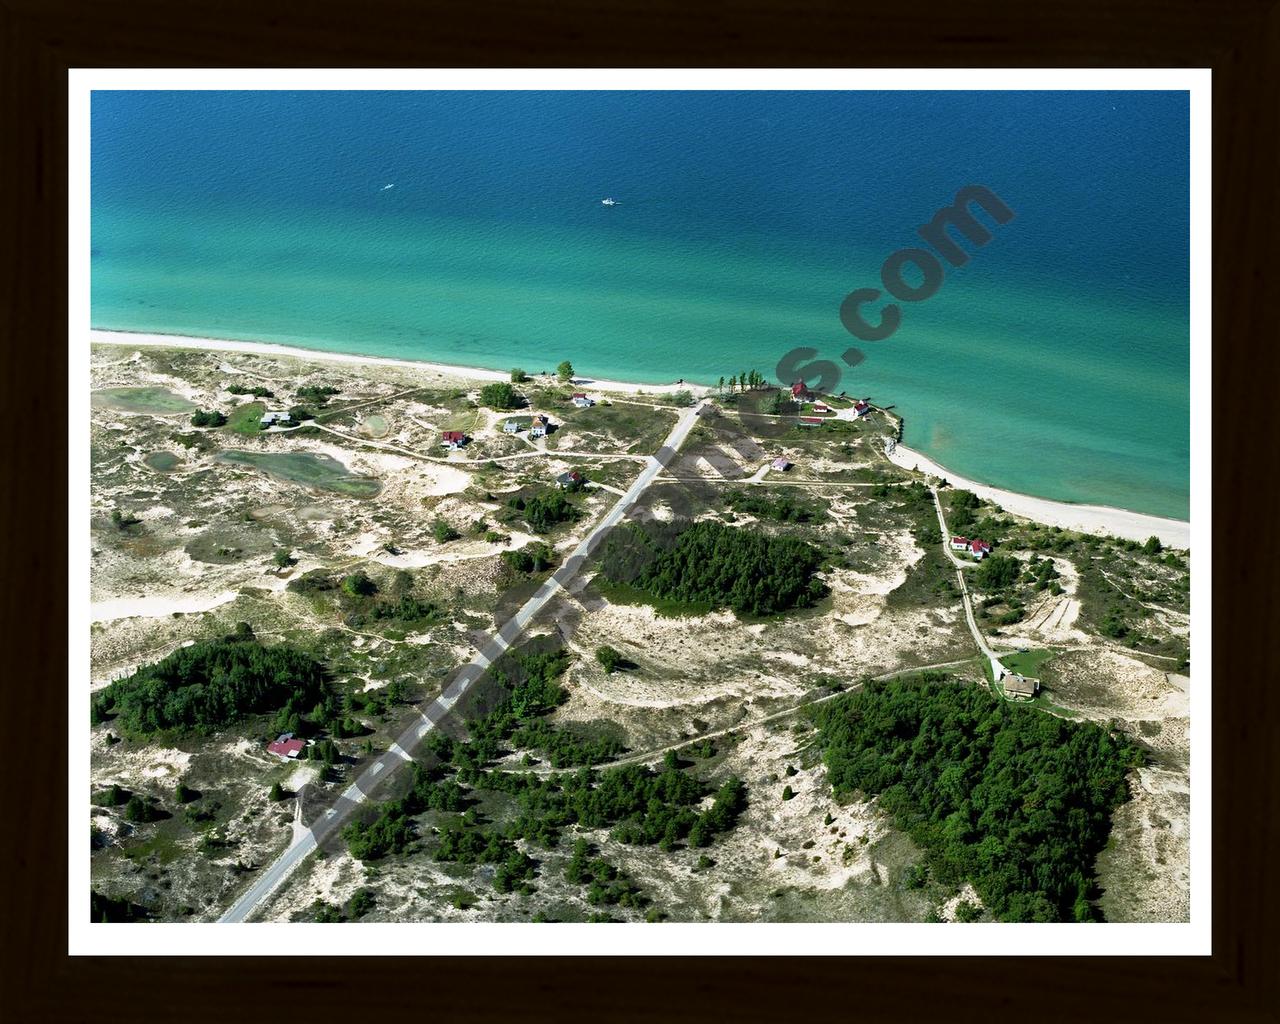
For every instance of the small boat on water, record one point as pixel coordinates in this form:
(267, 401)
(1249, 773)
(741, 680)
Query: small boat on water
(608, 202)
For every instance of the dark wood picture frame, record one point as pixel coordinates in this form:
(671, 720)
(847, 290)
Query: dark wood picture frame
(1238, 39)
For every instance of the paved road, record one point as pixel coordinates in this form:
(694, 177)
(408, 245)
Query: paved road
(381, 769)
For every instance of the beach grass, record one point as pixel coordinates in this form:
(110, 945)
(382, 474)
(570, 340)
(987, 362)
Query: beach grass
(246, 419)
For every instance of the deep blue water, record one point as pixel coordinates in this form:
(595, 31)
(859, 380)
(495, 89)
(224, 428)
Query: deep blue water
(1054, 362)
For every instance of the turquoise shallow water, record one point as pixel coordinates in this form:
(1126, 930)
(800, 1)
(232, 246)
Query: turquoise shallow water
(1054, 363)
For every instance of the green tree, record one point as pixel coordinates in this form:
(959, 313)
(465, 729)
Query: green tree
(499, 395)
(609, 658)
(358, 584)
(1153, 546)
(207, 418)
(545, 510)
(139, 810)
(565, 372)
(276, 793)
(183, 794)
(443, 532)
(212, 684)
(998, 572)
(518, 376)
(1015, 801)
(283, 558)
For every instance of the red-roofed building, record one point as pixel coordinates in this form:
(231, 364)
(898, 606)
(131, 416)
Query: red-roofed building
(980, 548)
(862, 408)
(452, 439)
(286, 746)
(810, 421)
(798, 390)
(959, 543)
(581, 400)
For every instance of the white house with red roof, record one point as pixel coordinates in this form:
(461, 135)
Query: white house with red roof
(862, 408)
(581, 400)
(980, 549)
(798, 390)
(453, 439)
(959, 543)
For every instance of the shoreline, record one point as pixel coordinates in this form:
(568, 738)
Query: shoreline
(1118, 522)
(101, 336)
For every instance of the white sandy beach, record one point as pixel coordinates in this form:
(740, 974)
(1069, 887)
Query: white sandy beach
(459, 373)
(1085, 518)
(1118, 522)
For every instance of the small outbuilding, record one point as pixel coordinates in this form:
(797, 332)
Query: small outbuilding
(516, 424)
(1016, 685)
(781, 464)
(810, 421)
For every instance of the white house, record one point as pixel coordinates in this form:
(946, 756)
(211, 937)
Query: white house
(582, 401)
(272, 418)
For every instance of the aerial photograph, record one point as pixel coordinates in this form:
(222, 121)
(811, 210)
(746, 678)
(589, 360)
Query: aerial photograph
(637, 506)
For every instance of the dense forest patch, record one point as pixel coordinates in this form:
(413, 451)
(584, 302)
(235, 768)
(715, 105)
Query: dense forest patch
(212, 684)
(715, 566)
(1012, 799)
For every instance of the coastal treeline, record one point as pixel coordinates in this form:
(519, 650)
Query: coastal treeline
(1012, 799)
(212, 684)
(715, 566)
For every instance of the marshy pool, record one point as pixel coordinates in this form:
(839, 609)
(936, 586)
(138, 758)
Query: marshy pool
(159, 401)
(161, 462)
(320, 471)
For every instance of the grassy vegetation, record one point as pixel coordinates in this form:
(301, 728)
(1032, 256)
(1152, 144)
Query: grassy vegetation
(641, 805)
(780, 504)
(1026, 663)
(631, 427)
(932, 579)
(143, 399)
(246, 419)
(319, 471)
